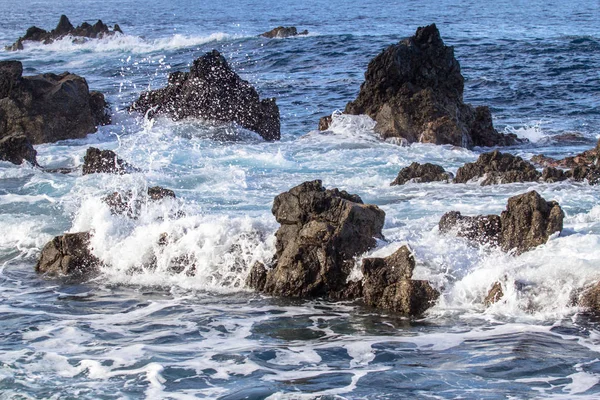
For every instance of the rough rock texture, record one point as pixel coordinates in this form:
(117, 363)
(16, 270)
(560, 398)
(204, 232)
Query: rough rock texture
(283, 32)
(16, 149)
(68, 254)
(48, 107)
(589, 158)
(590, 298)
(213, 91)
(257, 278)
(497, 168)
(128, 204)
(551, 174)
(527, 222)
(414, 90)
(421, 173)
(64, 28)
(98, 161)
(483, 229)
(321, 231)
(158, 193)
(494, 294)
(325, 122)
(388, 285)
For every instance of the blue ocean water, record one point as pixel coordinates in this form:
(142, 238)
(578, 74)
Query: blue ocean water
(136, 332)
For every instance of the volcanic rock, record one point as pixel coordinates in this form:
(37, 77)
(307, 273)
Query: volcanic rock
(494, 294)
(98, 161)
(283, 32)
(257, 278)
(68, 254)
(527, 222)
(16, 148)
(589, 158)
(551, 175)
(212, 91)
(387, 284)
(48, 107)
(64, 28)
(421, 173)
(321, 232)
(497, 168)
(414, 90)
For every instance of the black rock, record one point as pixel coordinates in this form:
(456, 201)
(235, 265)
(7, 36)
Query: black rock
(98, 161)
(283, 32)
(16, 148)
(68, 254)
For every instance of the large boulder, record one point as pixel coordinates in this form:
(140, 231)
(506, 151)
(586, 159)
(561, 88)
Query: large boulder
(497, 168)
(16, 149)
(64, 28)
(321, 232)
(387, 284)
(414, 91)
(212, 91)
(98, 161)
(283, 32)
(527, 222)
(421, 173)
(68, 254)
(48, 107)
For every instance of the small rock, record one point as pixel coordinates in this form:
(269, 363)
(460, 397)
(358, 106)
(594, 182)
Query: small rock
(484, 229)
(283, 32)
(325, 122)
(98, 161)
(257, 278)
(590, 298)
(16, 148)
(494, 294)
(421, 173)
(497, 168)
(551, 175)
(68, 254)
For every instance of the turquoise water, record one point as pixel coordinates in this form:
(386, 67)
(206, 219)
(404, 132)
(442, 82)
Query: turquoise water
(136, 332)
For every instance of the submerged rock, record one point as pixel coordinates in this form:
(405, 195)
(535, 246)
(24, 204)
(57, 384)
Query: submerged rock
(321, 232)
(16, 149)
(129, 204)
(98, 161)
(388, 285)
(48, 107)
(325, 122)
(527, 222)
(64, 28)
(497, 168)
(494, 294)
(414, 91)
(421, 173)
(283, 32)
(68, 254)
(212, 91)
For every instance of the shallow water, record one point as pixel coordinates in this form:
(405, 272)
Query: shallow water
(136, 332)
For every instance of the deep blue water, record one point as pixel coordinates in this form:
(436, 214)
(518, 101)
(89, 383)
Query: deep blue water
(140, 333)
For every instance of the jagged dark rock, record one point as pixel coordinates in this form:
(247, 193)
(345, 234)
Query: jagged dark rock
(98, 161)
(16, 149)
(257, 278)
(388, 285)
(551, 175)
(495, 293)
(158, 193)
(589, 158)
(414, 91)
(48, 107)
(590, 298)
(325, 122)
(64, 28)
(212, 91)
(421, 173)
(321, 232)
(128, 204)
(283, 32)
(497, 168)
(527, 222)
(69, 255)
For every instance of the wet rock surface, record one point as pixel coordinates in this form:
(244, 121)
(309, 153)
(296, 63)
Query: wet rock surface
(68, 255)
(421, 173)
(212, 91)
(64, 28)
(497, 168)
(48, 107)
(414, 91)
(321, 232)
(387, 284)
(128, 204)
(283, 32)
(495, 293)
(16, 149)
(527, 222)
(590, 299)
(98, 161)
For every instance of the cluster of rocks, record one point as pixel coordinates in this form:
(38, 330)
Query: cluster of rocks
(65, 28)
(283, 32)
(414, 91)
(499, 168)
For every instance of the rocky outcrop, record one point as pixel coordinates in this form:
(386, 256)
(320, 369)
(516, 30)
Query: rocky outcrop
(527, 222)
(128, 204)
(414, 91)
(68, 254)
(589, 158)
(321, 232)
(98, 161)
(283, 32)
(48, 107)
(212, 91)
(497, 168)
(16, 149)
(64, 28)
(387, 284)
(421, 173)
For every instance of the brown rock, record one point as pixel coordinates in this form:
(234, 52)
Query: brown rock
(497, 168)
(283, 32)
(98, 161)
(325, 122)
(483, 229)
(421, 173)
(494, 294)
(68, 254)
(16, 149)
